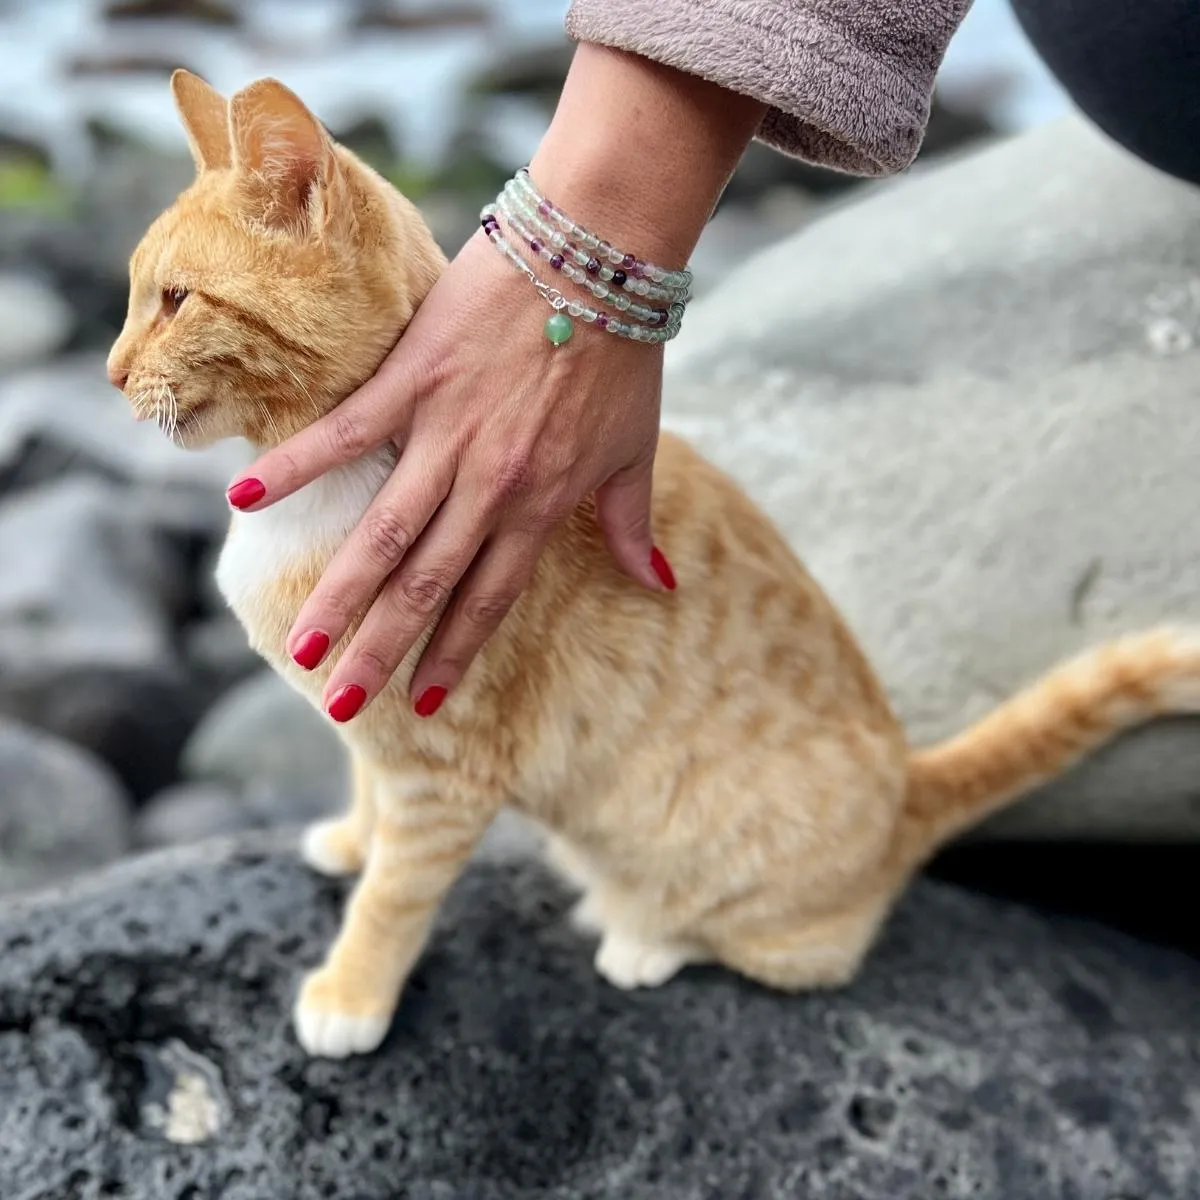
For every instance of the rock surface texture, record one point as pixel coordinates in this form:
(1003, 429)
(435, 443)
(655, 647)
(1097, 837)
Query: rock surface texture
(970, 401)
(146, 1052)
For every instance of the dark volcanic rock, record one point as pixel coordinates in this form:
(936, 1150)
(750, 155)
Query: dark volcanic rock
(146, 1051)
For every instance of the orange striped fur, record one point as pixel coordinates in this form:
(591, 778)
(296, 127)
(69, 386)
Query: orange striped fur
(718, 768)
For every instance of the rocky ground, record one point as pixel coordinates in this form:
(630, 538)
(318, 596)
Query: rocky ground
(968, 398)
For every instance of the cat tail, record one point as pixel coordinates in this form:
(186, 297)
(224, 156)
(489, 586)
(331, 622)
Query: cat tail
(1042, 731)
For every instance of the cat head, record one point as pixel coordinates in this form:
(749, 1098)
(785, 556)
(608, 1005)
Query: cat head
(275, 284)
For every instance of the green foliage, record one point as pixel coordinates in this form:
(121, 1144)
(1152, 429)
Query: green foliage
(25, 184)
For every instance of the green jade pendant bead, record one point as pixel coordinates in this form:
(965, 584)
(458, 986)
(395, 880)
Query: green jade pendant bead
(559, 328)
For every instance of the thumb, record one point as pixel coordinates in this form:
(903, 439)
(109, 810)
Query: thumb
(623, 512)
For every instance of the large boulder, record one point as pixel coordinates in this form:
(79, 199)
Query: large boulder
(970, 401)
(146, 1052)
(61, 810)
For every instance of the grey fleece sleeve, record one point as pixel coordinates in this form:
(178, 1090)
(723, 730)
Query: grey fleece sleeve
(849, 82)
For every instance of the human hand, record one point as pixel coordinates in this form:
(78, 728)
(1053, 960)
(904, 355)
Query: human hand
(501, 435)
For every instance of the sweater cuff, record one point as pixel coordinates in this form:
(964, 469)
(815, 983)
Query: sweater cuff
(832, 102)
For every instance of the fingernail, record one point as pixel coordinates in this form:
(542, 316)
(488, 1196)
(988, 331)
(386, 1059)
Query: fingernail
(346, 702)
(310, 649)
(429, 701)
(246, 492)
(662, 569)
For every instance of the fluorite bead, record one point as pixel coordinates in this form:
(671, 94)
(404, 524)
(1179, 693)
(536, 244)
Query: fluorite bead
(601, 321)
(535, 246)
(592, 266)
(559, 328)
(556, 261)
(575, 308)
(628, 262)
(619, 278)
(615, 257)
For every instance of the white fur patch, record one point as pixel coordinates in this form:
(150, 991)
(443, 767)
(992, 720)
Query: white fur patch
(325, 1034)
(312, 522)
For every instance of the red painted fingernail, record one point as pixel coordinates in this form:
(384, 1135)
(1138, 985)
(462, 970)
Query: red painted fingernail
(246, 492)
(429, 701)
(310, 649)
(346, 702)
(662, 569)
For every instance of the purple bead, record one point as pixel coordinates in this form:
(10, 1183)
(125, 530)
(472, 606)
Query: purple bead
(488, 221)
(556, 261)
(570, 251)
(544, 208)
(639, 269)
(660, 317)
(535, 246)
(619, 278)
(628, 261)
(601, 321)
(593, 266)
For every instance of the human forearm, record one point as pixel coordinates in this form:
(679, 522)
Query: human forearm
(640, 152)
(848, 82)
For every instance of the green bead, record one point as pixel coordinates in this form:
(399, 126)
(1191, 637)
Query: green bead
(559, 328)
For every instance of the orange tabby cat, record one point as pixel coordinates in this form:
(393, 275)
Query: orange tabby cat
(719, 766)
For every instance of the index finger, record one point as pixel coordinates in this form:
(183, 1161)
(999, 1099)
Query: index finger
(374, 414)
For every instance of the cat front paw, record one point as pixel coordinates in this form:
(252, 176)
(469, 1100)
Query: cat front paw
(628, 963)
(333, 848)
(331, 1025)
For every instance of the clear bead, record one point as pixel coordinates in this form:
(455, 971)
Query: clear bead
(558, 238)
(622, 302)
(615, 257)
(581, 258)
(589, 315)
(600, 290)
(606, 273)
(575, 309)
(591, 241)
(641, 287)
(657, 274)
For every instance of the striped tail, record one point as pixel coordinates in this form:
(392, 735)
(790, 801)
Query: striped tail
(1044, 730)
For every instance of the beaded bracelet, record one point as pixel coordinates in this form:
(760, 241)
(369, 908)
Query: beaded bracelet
(605, 271)
(560, 327)
(634, 266)
(598, 287)
(514, 207)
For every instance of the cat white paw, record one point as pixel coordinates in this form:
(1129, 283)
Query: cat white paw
(627, 963)
(327, 1034)
(329, 848)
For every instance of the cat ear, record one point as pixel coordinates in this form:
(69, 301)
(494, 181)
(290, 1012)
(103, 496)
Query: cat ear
(282, 150)
(205, 120)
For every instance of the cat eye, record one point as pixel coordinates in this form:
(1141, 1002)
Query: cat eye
(172, 298)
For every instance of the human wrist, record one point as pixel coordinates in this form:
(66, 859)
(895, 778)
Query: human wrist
(645, 171)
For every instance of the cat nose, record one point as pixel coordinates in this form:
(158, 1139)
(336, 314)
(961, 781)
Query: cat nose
(118, 375)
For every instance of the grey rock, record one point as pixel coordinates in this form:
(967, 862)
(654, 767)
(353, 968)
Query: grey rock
(35, 321)
(264, 730)
(84, 580)
(90, 593)
(136, 719)
(146, 1051)
(969, 400)
(216, 648)
(190, 812)
(61, 810)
